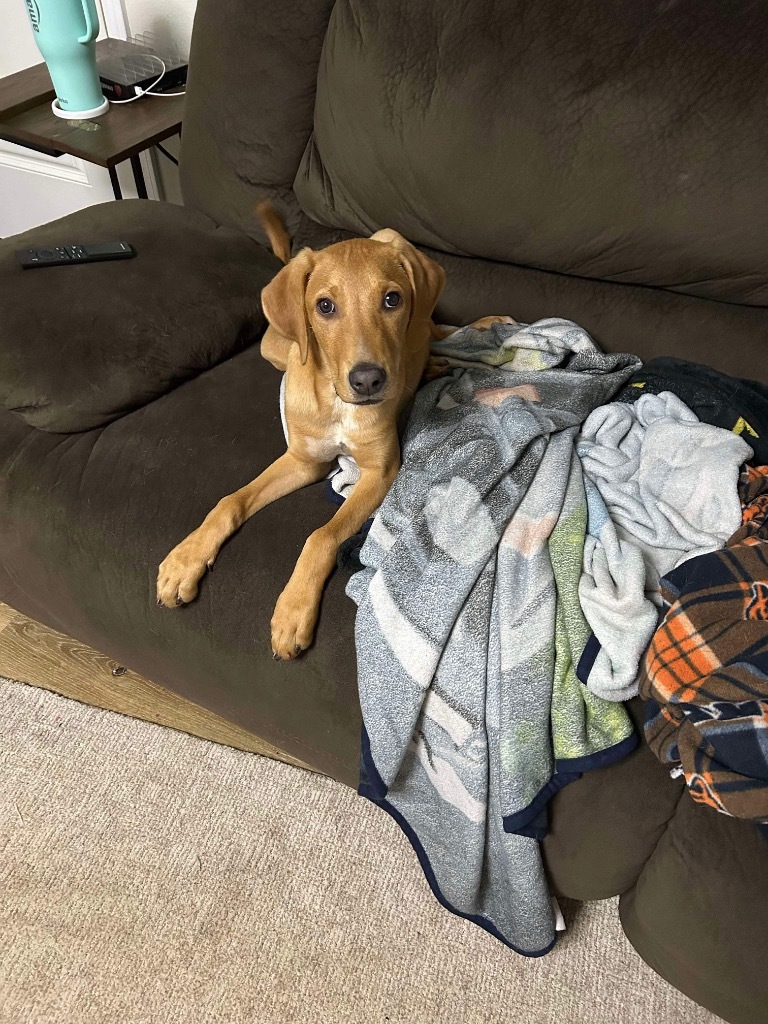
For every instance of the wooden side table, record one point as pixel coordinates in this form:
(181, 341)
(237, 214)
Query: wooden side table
(121, 134)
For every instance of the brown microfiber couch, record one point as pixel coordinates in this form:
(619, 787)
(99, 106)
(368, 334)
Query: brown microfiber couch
(604, 162)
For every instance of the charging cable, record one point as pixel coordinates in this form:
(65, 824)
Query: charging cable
(148, 91)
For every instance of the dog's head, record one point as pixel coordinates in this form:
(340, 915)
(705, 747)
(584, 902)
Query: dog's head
(358, 306)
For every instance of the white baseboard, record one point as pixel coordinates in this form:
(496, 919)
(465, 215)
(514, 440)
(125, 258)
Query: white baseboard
(65, 168)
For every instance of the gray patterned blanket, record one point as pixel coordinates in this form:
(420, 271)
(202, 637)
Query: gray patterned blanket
(469, 626)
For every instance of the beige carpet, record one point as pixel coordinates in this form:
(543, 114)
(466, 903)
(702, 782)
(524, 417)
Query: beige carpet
(148, 877)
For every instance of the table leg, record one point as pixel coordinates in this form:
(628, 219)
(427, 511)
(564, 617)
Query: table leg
(138, 177)
(115, 183)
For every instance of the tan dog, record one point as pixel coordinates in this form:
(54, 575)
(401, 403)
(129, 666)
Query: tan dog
(351, 326)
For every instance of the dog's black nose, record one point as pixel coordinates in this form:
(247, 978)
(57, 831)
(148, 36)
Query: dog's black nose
(367, 379)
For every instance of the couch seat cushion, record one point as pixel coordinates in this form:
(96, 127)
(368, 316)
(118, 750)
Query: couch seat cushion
(81, 345)
(699, 912)
(85, 520)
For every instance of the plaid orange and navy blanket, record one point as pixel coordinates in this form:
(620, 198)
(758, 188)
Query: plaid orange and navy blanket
(705, 675)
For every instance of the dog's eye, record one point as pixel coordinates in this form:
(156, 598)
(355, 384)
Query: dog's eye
(392, 300)
(325, 306)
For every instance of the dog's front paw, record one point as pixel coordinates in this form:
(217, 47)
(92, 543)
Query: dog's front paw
(293, 625)
(488, 321)
(436, 367)
(180, 573)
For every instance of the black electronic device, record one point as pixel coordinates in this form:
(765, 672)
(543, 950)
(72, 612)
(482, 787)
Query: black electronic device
(64, 255)
(128, 66)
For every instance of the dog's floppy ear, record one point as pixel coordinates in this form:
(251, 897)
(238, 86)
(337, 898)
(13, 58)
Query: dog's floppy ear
(427, 277)
(283, 300)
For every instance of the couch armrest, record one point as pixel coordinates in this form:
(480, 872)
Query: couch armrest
(82, 345)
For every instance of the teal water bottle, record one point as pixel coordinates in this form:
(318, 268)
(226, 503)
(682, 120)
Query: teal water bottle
(65, 31)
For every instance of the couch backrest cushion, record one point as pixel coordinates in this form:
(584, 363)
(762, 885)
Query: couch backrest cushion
(625, 141)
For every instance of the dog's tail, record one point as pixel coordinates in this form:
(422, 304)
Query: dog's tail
(275, 230)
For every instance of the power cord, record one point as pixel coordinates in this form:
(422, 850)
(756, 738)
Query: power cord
(148, 91)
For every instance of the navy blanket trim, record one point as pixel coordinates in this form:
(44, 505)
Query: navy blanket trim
(587, 659)
(536, 829)
(601, 758)
(370, 780)
(333, 496)
(567, 770)
(763, 830)
(368, 772)
(521, 821)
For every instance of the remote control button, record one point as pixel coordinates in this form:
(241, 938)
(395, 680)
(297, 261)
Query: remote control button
(47, 254)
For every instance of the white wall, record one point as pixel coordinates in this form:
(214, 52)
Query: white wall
(35, 188)
(17, 49)
(172, 21)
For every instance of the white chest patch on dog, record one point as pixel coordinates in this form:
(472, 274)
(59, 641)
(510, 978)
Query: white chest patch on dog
(334, 446)
(345, 419)
(325, 449)
(337, 439)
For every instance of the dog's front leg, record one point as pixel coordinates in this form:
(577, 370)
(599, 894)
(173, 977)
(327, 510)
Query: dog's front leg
(181, 571)
(296, 611)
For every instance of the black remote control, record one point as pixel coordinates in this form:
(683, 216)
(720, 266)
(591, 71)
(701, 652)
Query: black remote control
(63, 255)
